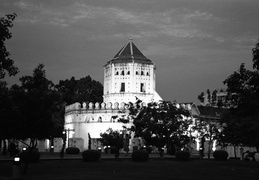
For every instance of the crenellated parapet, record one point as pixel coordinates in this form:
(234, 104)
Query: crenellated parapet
(97, 106)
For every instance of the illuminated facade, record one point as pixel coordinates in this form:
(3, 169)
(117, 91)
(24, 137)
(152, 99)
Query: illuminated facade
(128, 76)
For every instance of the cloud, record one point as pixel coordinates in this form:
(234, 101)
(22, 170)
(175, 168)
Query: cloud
(28, 5)
(173, 23)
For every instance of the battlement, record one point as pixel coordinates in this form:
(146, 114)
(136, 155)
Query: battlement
(111, 106)
(98, 106)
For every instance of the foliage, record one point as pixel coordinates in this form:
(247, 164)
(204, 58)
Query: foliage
(83, 90)
(5, 112)
(30, 156)
(33, 105)
(201, 97)
(91, 155)
(232, 133)
(212, 100)
(220, 155)
(140, 156)
(242, 125)
(182, 155)
(161, 123)
(255, 59)
(72, 150)
(6, 64)
(112, 138)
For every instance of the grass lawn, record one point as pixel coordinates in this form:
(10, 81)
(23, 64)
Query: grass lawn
(125, 169)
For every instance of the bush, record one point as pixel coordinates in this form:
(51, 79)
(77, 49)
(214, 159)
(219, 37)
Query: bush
(182, 155)
(72, 150)
(220, 155)
(33, 156)
(140, 156)
(91, 155)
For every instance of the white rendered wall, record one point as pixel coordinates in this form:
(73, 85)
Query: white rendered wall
(117, 73)
(82, 124)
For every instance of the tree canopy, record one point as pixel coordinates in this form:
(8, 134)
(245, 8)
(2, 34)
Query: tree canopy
(83, 90)
(243, 121)
(6, 63)
(112, 138)
(34, 104)
(161, 124)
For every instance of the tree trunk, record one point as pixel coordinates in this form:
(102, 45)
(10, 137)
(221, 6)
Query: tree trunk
(33, 145)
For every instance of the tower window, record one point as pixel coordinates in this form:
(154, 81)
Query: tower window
(136, 72)
(142, 73)
(122, 87)
(122, 73)
(142, 87)
(147, 74)
(128, 73)
(117, 73)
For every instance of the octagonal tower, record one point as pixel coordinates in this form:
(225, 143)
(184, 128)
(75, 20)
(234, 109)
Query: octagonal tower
(130, 75)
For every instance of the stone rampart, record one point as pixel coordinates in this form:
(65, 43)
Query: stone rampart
(97, 106)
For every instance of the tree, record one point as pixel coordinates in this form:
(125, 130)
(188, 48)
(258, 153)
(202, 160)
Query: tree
(4, 111)
(201, 97)
(34, 110)
(112, 138)
(83, 90)
(244, 84)
(232, 133)
(255, 59)
(161, 124)
(33, 106)
(6, 64)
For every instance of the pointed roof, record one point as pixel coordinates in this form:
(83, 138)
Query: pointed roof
(130, 53)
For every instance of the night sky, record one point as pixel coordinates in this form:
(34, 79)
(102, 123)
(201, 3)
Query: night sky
(195, 44)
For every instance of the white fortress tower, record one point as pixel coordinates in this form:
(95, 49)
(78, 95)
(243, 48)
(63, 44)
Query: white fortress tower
(129, 75)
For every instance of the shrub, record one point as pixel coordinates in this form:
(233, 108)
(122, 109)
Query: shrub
(72, 150)
(220, 155)
(182, 155)
(140, 156)
(91, 155)
(33, 156)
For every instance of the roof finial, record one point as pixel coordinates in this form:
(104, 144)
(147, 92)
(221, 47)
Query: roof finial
(130, 39)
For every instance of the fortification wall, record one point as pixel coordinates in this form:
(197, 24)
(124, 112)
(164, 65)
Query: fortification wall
(98, 107)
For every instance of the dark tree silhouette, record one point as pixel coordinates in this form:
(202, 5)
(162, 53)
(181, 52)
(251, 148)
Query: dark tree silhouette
(244, 118)
(83, 90)
(6, 64)
(255, 51)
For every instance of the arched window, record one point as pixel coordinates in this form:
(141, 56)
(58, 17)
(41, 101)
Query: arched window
(147, 74)
(122, 73)
(136, 72)
(117, 73)
(128, 73)
(142, 73)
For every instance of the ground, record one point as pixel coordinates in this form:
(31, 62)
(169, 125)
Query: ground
(125, 169)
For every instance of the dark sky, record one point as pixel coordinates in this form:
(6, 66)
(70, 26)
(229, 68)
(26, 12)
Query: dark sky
(195, 44)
